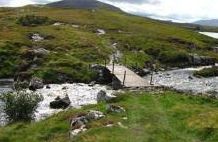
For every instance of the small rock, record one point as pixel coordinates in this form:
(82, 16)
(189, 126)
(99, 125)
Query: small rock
(36, 83)
(114, 108)
(190, 77)
(92, 83)
(101, 32)
(48, 87)
(36, 37)
(64, 88)
(57, 24)
(75, 26)
(75, 132)
(78, 122)
(121, 125)
(125, 118)
(41, 52)
(94, 115)
(109, 125)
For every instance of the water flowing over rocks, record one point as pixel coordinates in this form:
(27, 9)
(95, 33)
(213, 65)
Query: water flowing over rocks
(79, 95)
(184, 81)
(6, 85)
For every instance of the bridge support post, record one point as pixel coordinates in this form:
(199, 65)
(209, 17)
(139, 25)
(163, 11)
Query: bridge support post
(151, 81)
(124, 78)
(113, 68)
(105, 63)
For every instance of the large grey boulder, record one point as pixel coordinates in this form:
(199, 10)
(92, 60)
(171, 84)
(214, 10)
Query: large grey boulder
(102, 96)
(36, 83)
(103, 74)
(60, 103)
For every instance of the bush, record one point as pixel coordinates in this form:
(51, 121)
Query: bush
(32, 20)
(20, 106)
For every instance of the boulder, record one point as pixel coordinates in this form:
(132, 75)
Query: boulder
(60, 103)
(78, 122)
(116, 83)
(103, 74)
(201, 60)
(48, 87)
(36, 83)
(114, 108)
(102, 96)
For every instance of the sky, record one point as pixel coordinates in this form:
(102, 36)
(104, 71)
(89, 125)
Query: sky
(175, 10)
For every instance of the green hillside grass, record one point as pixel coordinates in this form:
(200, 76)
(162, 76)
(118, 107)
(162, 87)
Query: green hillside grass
(157, 117)
(139, 39)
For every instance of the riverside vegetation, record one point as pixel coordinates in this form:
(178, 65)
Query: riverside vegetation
(58, 45)
(166, 116)
(207, 72)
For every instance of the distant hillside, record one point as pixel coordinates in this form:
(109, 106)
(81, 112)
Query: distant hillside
(82, 4)
(213, 22)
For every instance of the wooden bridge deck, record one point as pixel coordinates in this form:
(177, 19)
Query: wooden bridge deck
(132, 80)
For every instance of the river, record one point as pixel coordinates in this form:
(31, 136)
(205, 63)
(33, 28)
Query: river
(183, 80)
(210, 34)
(6, 85)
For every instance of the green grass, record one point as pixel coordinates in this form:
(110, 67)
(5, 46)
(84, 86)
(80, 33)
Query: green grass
(207, 72)
(139, 39)
(158, 117)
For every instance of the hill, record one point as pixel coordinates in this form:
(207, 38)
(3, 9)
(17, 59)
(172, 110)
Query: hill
(59, 44)
(213, 22)
(82, 4)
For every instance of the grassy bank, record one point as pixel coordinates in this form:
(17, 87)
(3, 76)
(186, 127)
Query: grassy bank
(151, 117)
(207, 72)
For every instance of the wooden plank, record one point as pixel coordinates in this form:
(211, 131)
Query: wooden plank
(131, 80)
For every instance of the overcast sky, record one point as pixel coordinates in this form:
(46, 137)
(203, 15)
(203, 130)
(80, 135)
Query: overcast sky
(177, 10)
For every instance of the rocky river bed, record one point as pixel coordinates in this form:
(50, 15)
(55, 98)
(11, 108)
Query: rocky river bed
(6, 85)
(184, 81)
(79, 95)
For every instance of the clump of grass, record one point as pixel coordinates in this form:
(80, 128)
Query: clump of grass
(33, 20)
